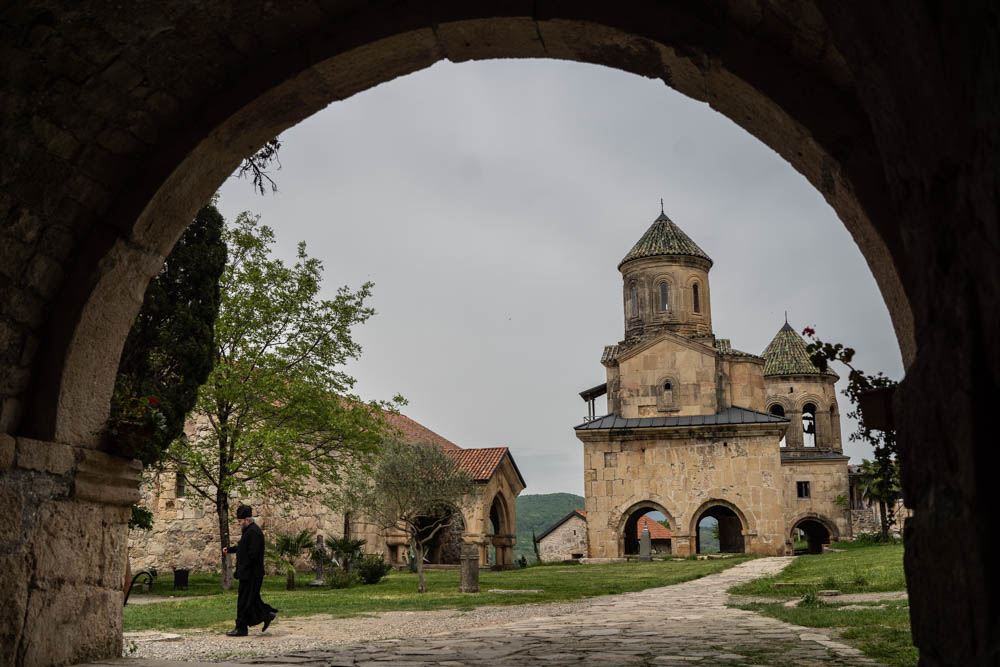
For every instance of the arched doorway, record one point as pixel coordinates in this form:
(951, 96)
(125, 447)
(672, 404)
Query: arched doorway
(644, 514)
(809, 534)
(158, 140)
(501, 534)
(719, 529)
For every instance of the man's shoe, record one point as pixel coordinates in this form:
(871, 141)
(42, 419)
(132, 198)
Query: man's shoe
(237, 632)
(267, 622)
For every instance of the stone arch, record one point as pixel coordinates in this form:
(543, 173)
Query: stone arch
(666, 399)
(655, 295)
(819, 530)
(108, 278)
(107, 172)
(626, 519)
(725, 507)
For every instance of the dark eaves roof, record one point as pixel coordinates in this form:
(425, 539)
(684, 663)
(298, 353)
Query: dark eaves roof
(664, 238)
(725, 347)
(733, 415)
(579, 513)
(787, 355)
(594, 392)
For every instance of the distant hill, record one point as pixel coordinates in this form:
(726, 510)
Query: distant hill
(538, 513)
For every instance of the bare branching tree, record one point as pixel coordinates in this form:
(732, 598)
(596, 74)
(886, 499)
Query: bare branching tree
(256, 166)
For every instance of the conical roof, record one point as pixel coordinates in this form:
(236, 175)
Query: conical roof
(787, 355)
(664, 238)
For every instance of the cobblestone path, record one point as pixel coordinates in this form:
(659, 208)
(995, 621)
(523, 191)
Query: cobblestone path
(684, 624)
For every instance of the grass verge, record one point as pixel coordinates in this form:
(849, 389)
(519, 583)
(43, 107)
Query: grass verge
(856, 569)
(881, 630)
(203, 605)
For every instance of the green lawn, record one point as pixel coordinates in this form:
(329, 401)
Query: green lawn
(204, 606)
(856, 569)
(880, 629)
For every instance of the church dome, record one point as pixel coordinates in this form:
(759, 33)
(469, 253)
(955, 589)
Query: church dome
(787, 355)
(664, 238)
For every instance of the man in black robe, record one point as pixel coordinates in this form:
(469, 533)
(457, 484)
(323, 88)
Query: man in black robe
(250, 609)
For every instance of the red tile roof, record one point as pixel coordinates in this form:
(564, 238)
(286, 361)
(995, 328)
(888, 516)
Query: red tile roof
(412, 432)
(480, 463)
(657, 531)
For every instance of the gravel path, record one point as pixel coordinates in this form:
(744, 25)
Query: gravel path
(683, 624)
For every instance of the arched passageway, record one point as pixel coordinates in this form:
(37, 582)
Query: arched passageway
(719, 530)
(119, 125)
(814, 533)
(502, 534)
(658, 525)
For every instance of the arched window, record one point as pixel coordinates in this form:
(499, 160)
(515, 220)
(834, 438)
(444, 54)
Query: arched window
(634, 299)
(809, 425)
(778, 411)
(697, 300)
(664, 298)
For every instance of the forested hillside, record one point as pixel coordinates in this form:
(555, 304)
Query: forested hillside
(537, 513)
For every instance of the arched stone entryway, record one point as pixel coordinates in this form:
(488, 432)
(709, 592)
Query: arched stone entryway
(502, 534)
(818, 531)
(628, 528)
(731, 527)
(118, 126)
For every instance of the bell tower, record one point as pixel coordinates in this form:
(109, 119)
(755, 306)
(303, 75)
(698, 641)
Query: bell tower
(665, 283)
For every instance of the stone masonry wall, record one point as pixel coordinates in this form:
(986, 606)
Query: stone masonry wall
(827, 480)
(568, 539)
(682, 473)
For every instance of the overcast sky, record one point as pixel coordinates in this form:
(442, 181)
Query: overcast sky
(490, 203)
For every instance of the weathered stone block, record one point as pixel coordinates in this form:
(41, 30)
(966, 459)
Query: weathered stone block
(50, 457)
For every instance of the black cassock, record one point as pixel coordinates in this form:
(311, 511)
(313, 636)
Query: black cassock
(250, 609)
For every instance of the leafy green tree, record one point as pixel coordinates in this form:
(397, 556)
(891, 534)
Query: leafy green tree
(882, 475)
(278, 404)
(169, 351)
(414, 488)
(285, 550)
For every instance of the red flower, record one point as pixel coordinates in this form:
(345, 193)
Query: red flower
(153, 400)
(808, 331)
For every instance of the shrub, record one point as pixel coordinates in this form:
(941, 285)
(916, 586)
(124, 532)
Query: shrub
(341, 578)
(372, 568)
(875, 538)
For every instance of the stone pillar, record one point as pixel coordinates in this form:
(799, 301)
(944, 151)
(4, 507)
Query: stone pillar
(469, 557)
(645, 546)
(63, 549)
(793, 436)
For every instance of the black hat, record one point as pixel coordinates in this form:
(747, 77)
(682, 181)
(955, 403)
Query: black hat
(244, 512)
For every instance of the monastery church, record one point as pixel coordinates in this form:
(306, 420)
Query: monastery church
(696, 428)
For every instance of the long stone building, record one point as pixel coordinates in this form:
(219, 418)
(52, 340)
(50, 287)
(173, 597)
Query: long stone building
(185, 525)
(696, 428)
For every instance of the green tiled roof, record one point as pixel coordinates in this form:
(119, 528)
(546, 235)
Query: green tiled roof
(664, 238)
(787, 355)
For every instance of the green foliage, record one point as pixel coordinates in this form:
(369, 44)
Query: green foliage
(875, 538)
(141, 518)
(345, 552)
(881, 478)
(854, 569)
(880, 630)
(372, 568)
(256, 165)
(341, 578)
(279, 405)
(169, 351)
(536, 514)
(284, 550)
(202, 605)
(412, 487)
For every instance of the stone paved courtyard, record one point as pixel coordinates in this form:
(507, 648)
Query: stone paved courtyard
(678, 625)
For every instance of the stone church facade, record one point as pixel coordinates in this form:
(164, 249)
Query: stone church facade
(696, 428)
(185, 530)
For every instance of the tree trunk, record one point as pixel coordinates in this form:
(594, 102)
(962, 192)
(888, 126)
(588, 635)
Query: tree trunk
(418, 553)
(290, 581)
(222, 509)
(885, 520)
